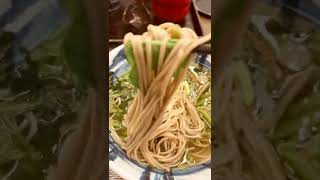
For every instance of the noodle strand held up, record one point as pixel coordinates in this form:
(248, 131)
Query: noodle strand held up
(163, 125)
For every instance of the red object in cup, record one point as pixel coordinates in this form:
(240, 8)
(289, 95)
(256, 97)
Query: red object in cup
(171, 10)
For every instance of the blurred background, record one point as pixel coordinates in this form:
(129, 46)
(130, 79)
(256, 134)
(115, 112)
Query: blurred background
(268, 125)
(39, 95)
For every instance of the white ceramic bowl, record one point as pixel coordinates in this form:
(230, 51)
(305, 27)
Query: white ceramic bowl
(130, 169)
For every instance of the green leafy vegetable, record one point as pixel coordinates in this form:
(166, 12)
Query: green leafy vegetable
(296, 160)
(189, 158)
(291, 121)
(121, 93)
(205, 115)
(116, 125)
(245, 82)
(133, 76)
(76, 51)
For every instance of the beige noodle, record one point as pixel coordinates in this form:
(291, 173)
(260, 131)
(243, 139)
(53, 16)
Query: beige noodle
(162, 123)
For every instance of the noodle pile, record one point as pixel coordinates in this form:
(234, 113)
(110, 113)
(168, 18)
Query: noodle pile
(164, 129)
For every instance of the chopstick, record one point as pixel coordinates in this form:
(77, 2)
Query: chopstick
(203, 49)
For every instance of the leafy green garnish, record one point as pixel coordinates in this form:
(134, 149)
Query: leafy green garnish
(205, 116)
(116, 125)
(121, 93)
(245, 82)
(189, 158)
(298, 162)
(133, 75)
(291, 121)
(76, 51)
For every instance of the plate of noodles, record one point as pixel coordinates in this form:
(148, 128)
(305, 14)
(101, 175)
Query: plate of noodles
(160, 110)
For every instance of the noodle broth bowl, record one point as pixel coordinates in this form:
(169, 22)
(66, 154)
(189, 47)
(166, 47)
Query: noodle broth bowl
(130, 169)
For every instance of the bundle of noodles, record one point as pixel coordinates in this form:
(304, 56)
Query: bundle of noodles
(164, 129)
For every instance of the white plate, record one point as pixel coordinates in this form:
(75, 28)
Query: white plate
(131, 170)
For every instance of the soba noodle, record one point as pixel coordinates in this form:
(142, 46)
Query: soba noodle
(163, 125)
